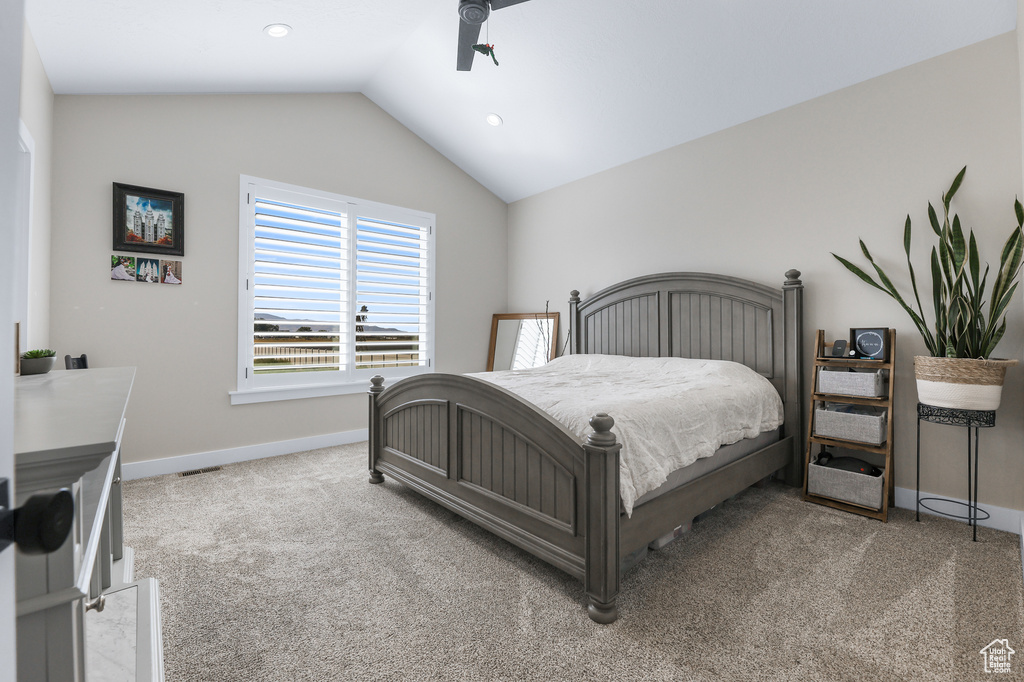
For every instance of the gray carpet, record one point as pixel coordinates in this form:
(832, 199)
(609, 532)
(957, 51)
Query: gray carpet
(295, 568)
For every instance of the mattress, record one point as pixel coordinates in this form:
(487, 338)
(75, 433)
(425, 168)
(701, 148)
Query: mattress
(727, 454)
(668, 412)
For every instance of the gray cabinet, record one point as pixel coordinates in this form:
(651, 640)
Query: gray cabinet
(67, 434)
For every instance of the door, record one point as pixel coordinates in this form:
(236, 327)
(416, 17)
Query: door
(11, 27)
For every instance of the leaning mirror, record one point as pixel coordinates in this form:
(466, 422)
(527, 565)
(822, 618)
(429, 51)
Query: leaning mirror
(522, 340)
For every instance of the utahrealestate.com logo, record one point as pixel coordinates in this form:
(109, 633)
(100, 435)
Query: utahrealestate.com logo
(997, 656)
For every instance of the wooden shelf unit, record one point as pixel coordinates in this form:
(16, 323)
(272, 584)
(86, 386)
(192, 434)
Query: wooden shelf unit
(885, 402)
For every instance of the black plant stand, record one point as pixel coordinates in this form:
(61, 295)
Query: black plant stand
(971, 419)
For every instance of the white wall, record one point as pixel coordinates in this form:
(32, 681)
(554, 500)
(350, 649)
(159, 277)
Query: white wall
(784, 191)
(11, 12)
(37, 115)
(183, 339)
(1020, 62)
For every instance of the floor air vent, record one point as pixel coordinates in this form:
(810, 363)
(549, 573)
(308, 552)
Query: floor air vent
(196, 472)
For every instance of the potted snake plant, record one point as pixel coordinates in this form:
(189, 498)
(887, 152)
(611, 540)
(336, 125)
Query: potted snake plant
(969, 319)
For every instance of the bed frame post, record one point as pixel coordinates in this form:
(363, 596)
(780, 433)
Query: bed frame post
(793, 301)
(602, 525)
(574, 302)
(377, 385)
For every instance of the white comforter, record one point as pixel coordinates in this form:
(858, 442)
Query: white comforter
(668, 412)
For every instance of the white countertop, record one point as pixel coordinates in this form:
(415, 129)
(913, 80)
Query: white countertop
(66, 422)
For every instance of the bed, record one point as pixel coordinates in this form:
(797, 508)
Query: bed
(511, 468)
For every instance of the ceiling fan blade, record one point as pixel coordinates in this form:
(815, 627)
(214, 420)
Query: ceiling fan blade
(500, 4)
(468, 35)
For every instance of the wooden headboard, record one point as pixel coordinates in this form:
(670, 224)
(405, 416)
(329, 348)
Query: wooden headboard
(701, 315)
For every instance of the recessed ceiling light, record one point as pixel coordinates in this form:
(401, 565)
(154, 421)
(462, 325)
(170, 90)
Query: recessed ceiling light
(277, 30)
(494, 119)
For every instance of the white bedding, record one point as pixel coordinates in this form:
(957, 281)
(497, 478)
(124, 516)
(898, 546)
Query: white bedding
(668, 412)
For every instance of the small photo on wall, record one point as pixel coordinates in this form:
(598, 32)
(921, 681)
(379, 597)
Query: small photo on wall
(170, 271)
(122, 268)
(147, 270)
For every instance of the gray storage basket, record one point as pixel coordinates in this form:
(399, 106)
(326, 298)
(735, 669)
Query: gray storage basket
(865, 384)
(846, 486)
(866, 426)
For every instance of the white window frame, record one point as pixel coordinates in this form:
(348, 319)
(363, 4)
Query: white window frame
(285, 386)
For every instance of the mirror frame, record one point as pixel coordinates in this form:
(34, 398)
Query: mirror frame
(522, 316)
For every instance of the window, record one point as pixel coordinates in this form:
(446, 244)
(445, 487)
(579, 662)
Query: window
(332, 291)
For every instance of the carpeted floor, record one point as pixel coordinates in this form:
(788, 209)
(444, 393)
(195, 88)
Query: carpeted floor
(295, 568)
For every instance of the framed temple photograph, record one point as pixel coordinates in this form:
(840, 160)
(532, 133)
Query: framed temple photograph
(149, 220)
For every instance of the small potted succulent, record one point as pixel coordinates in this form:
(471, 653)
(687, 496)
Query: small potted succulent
(38, 361)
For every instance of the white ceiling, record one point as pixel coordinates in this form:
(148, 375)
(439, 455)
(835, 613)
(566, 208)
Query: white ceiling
(584, 85)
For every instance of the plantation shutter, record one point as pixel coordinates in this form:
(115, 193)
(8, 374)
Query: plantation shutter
(332, 290)
(392, 293)
(301, 312)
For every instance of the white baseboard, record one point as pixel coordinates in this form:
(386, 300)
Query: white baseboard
(1009, 520)
(174, 465)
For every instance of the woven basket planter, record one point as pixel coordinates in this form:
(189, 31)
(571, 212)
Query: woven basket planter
(960, 383)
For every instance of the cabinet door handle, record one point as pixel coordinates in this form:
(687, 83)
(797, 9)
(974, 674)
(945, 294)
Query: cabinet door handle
(41, 525)
(96, 604)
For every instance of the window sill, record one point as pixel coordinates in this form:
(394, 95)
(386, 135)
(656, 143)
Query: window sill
(267, 395)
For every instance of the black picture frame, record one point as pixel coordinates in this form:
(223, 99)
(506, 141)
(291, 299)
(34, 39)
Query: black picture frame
(157, 223)
(858, 337)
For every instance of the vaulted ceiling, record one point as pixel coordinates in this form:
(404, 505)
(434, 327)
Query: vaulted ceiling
(582, 86)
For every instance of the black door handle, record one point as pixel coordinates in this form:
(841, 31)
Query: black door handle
(41, 525)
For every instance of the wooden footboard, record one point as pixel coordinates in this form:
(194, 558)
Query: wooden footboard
(510, 468)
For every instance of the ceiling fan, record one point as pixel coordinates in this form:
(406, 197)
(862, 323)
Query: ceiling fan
(473, 13)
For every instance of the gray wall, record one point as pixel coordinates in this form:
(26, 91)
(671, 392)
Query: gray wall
(784, 191)
(183, 339)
